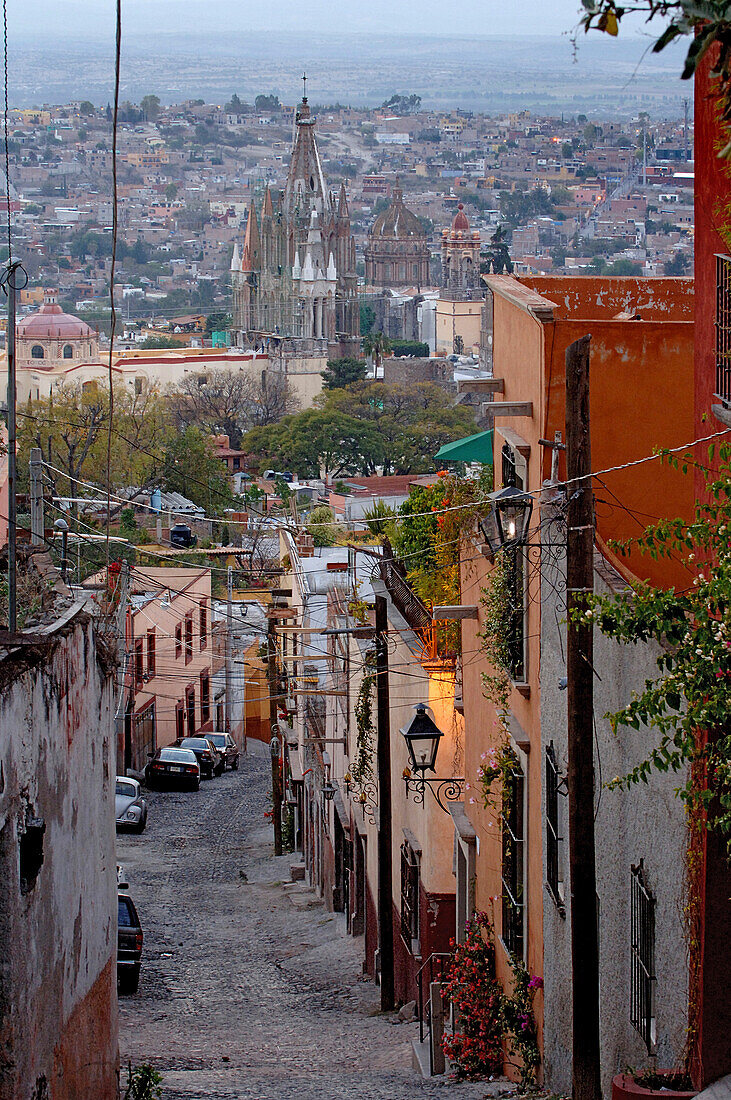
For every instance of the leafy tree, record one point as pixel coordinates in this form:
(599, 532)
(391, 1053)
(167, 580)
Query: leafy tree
(234, 106)
(171, 191)
(678, 265)
(190, 467)
(218, 322)
(150, 107)
(518, 207)
(321, 525)
(402, 104)
(410, 347)
(343, 372)
(267, 103)
(86, 107)
(158, 343)
(318, 440)
(497, 254)
(431, 134)
(412, 420)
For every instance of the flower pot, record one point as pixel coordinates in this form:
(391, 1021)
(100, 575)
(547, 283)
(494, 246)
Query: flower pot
(625, 1087)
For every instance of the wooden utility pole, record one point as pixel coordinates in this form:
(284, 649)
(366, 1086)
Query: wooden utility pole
(385, 903)
(580, 691)
(276, 756)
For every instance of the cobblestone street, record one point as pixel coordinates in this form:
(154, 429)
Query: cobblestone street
(250, 988)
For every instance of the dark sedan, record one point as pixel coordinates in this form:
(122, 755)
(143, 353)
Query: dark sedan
(228, 749)
(173, 766)
(129, 944)
(209, 758)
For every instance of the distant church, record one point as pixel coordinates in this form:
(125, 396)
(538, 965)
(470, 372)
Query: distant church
(295, 277)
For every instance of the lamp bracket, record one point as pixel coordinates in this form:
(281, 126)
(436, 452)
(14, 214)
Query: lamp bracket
(444, 790)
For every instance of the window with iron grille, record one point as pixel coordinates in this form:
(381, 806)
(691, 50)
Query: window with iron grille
(151, 653)
(203, 617)
(139, 666)
(513, 859)
(178, 640)
(642, 979)
(553, 838)
(190, 710)
(205, 697)
(189, 637)
(723, 329)
(409, 897)
(512, 476)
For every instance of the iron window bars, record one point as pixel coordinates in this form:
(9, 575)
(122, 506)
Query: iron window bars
(512, 864)
(642, 978)
(409, 897)
(723, 329)
(554, 783)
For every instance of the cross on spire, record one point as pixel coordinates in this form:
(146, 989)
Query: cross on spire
(304, 87)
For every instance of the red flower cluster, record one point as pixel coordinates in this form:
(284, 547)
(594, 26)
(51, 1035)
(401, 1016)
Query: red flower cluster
(475, 1046)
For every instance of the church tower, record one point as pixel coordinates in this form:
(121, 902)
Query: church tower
(295, 279)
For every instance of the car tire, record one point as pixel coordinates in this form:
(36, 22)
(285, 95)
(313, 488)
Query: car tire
(235, 765)
(129, 981)
(140, 827)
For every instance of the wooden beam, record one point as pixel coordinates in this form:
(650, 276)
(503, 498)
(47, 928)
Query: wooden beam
(463, 611)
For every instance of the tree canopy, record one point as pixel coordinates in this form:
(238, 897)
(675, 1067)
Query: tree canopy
(343, 372)
(397, 426)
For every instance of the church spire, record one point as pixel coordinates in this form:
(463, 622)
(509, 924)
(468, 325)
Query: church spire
(343, 211)
(305, 187)
(252, 243)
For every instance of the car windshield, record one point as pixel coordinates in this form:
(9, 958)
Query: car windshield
(194, 743)
(180, 756)
(127, 789)
(126, 914)
(218, 739)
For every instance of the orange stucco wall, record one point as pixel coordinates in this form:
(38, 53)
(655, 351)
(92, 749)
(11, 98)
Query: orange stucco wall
(641, 399)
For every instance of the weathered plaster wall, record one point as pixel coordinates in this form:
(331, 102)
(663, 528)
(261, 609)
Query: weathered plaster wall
(646, 822)
(58, 1001)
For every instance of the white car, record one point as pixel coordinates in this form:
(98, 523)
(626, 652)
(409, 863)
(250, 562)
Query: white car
(130, 808)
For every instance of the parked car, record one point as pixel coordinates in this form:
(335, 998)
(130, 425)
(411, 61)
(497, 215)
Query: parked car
(130, 808)
(172, 766)
(228, 749)
(209, 758)
(129, 944)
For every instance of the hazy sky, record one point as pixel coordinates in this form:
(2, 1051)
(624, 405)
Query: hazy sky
(93, 18)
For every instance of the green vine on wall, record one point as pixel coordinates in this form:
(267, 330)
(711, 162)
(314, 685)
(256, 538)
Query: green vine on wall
(497, 610)
(687, 705)
(361, 767)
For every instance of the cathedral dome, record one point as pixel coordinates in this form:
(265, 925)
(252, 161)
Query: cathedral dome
(51, 323)
(397, 221)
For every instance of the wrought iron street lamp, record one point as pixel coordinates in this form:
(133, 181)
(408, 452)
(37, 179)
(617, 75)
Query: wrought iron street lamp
(506, 524)
(422, 736)
(422, 739)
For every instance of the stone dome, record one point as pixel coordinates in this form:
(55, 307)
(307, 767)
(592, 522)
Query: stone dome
(460, 220)
(51, 323)
(397, 220)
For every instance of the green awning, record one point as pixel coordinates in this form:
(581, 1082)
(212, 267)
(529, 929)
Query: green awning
(473, 448)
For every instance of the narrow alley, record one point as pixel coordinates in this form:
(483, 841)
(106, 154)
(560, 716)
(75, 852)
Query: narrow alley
(249, 987)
